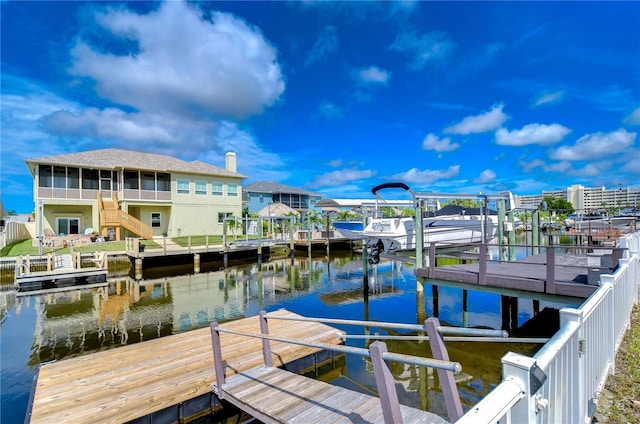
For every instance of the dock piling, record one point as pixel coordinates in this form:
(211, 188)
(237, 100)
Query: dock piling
(138, 269)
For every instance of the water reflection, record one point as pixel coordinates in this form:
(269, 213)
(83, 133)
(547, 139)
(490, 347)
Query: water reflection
(126, 311)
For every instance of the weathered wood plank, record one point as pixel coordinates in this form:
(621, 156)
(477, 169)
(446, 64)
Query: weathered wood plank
(128, 382)
(279, 396)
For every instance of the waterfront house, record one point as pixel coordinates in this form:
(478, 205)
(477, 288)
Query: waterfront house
(122, 193)
(260, 194)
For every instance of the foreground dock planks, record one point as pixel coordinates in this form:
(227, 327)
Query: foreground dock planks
(125, 383)
(277, 396)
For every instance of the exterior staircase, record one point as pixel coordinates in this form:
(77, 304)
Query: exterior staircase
(112, 216)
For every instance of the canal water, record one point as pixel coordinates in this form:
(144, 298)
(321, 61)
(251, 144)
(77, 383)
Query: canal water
(39, 328)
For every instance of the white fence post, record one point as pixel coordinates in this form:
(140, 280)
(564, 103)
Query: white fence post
(576, 363)
(519, 368)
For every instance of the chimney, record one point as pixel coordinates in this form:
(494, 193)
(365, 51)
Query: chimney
(230, 162)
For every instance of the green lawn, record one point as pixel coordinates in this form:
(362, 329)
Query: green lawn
(25, 247)
(197, 240)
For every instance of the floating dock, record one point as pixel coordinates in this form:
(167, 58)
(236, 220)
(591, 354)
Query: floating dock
(161, 380)
(59, 268)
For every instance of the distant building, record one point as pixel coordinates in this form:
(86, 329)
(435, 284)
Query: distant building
(130, 193)
(585, 199)
(258, 195)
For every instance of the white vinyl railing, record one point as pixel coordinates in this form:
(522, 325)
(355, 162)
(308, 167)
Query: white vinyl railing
(563, 381)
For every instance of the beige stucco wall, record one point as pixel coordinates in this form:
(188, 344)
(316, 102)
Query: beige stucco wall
(85, 214)
(195, 214)
(143, 213)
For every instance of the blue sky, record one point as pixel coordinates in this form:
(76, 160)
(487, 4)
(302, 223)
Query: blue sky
(333, 97)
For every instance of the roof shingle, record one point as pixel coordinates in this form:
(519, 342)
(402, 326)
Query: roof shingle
(120, 158)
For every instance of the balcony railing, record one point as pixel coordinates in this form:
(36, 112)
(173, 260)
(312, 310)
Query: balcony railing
(67, 193)
(87, 194)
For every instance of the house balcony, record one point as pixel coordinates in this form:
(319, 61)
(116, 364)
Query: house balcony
(45, 193)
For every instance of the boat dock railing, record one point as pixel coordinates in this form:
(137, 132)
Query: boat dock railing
(564, 380)
(377, 352)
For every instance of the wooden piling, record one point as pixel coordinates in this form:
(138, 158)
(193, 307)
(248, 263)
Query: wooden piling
(138, 269)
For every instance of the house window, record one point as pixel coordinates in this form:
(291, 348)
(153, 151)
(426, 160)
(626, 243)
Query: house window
(90, 179)
(164, 182)
(261, 198)
(232, 190)
(216, 189)
(131, 180)
(105, 180)
(201, 187)
(183, 186)
(59, 177)
(73, 178)
(156, 219)
(149, 181)
(45, 176)
(66, 226)
(223, 215)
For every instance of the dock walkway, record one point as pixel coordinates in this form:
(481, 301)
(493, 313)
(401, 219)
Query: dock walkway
(129, 382)
(304, 400)
(566, 276)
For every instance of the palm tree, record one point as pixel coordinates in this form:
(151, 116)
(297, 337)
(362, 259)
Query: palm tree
(313, 218)
(344, 215)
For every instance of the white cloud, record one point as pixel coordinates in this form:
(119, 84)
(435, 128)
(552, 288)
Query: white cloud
(231, 71)
(335, 163)
(633, 118)
(632, 163)
(415, 176)
(253, 159)
(329, 110)
(488, 121)
(326, 43)
(532, 134)
(559, 167)
(112, 124)
(374, 75)
(550, 98)
(486, 176)
(341, 177)
(592, 169)
(22, 134)
(424, 48)
(431, 142)
(595, 146)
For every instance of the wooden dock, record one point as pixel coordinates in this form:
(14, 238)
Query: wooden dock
(276, 396)
(273, 395)
(559, 275)
(129, 382)
(61, 267)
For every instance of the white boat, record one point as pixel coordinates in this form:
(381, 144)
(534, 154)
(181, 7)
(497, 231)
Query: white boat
(400, 233)
(450, 225)
(349, 229)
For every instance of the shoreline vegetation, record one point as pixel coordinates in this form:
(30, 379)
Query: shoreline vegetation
(620, 400)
